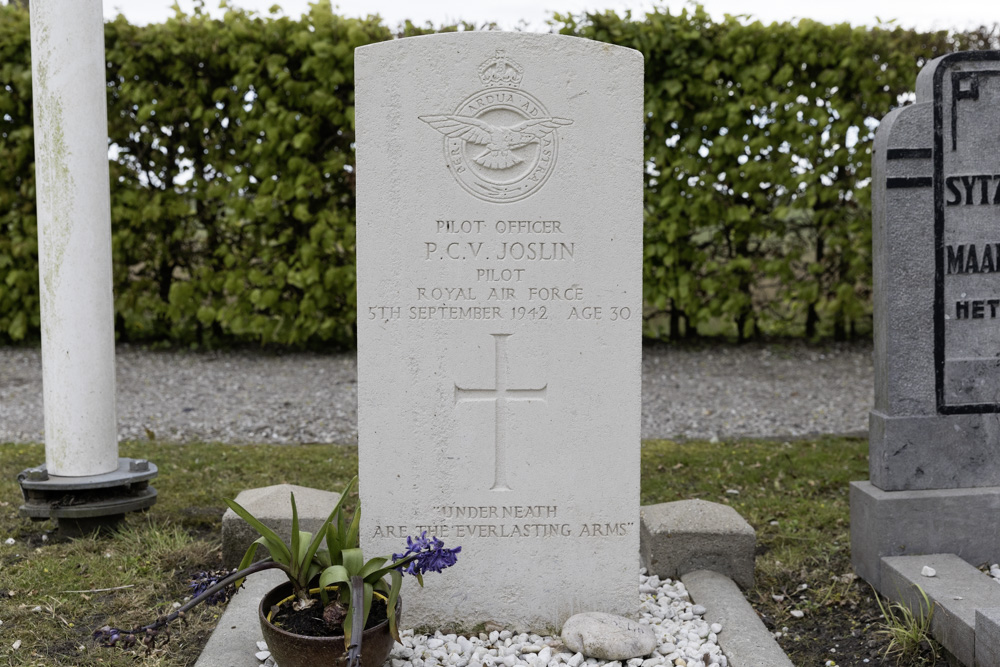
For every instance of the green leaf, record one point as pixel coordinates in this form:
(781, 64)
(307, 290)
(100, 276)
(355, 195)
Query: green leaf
(335, 574)
(275, 545)
(353, 560)
(248, 558)
(295, 565)
(372, 566)
(367, 602)
(333, 545)
(397, 583)
(352, 534)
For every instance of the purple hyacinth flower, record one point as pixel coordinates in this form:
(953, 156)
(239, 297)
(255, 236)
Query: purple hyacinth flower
(431, 555)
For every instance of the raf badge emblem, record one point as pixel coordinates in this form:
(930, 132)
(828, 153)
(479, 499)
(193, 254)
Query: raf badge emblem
(500, 143)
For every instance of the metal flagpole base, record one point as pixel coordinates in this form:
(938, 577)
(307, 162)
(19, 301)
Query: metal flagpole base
(81, 505)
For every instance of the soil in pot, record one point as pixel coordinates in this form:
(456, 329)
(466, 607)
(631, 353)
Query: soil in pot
(291, 649)
(310, 622)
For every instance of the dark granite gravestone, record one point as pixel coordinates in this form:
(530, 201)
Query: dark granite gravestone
(934, 444)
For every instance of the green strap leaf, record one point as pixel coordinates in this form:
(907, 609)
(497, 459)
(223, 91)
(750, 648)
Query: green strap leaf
(336, 574)
(342, 530)
(369, 591)
(351, 540)
(373, 566)
(397, 583)
(334, 546)
(332, 538)
(296, 564)
(275, 545)
(354, 560)
(248, 557)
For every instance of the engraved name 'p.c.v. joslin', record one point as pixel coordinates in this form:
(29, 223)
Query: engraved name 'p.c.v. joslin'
(500, 142)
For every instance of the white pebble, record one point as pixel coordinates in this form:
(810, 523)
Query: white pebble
(262, 655)
(797, 613)
(716, 628)
(928, 571)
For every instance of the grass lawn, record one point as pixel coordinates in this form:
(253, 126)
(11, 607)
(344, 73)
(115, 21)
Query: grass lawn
(54, 593)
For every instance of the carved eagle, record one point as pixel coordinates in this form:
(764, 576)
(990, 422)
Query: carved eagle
(500, 141)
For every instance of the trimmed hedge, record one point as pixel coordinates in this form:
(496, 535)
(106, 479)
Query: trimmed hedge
(758, 146)
(233, 180)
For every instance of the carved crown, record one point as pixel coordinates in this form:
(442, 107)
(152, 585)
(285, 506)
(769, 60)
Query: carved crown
(500, 70)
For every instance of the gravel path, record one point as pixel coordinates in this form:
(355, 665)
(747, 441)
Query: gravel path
(238, 397)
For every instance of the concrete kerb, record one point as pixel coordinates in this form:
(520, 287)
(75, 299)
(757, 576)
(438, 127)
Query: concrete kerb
(965, 603)
(233, 642)
(744, 639)
(988, 637)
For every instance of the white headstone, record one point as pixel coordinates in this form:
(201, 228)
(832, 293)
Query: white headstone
(499, 181)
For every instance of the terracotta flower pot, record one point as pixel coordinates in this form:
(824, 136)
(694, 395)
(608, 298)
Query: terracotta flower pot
(292, 650)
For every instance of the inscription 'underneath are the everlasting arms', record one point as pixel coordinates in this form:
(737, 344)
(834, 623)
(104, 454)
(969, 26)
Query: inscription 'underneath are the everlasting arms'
(506, 521)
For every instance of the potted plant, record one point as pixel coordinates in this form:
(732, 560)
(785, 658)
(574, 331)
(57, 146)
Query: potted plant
(323, 613)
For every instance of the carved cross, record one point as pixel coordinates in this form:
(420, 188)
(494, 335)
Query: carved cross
(500, 394)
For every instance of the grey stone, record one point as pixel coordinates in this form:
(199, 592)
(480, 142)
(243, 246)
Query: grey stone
(607, 637)
(745, 639)
(235, 636)
(899, 523)
(988, 637)
(687, 535)
(918, 440)
(956, 592)
(272, 506)
(906, 453)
